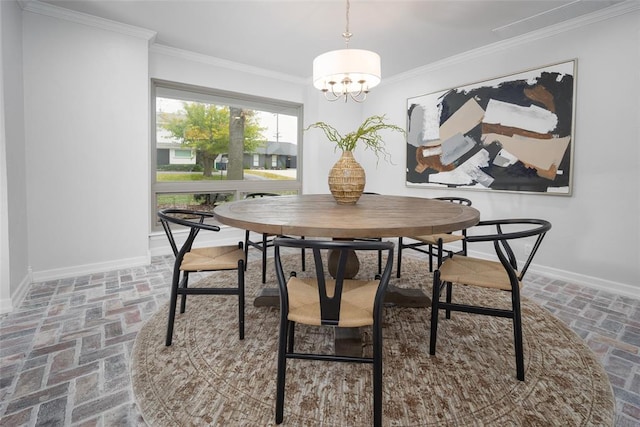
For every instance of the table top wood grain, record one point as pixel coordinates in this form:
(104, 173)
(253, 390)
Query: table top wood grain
(318, 215)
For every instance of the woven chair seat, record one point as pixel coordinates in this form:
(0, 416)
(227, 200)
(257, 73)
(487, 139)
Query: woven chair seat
(474, 271)
(212, 258)
(356, 308)
(432, 239)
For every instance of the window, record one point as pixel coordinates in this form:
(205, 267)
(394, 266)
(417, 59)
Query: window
(184, 154)
(210, 146)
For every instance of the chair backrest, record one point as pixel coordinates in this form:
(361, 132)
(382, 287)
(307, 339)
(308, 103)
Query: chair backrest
(511, 229)
(185, 218)
(459, 200)
(331, 296)
(257, 195)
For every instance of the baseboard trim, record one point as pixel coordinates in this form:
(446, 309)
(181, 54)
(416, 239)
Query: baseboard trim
(158, 248)
(577, 278)
(8, 304)
(81, 270)
(589, 281)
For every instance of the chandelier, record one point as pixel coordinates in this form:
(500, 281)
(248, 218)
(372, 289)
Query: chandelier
(348, 73)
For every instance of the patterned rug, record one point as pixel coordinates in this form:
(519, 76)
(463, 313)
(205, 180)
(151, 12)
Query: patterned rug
(209, 377)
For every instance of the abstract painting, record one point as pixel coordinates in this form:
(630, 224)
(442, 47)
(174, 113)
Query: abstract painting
(513, 133)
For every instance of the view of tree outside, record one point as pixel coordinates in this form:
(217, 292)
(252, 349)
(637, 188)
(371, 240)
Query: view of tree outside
(209, 153)
(211, 131)
(198, 141)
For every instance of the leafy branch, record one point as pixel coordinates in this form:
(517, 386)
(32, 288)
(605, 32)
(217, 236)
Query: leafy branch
(368, 133)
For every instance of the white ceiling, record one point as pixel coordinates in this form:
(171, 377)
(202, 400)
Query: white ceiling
(284, 36)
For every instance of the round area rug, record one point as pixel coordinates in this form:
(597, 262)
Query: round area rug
(209, 377)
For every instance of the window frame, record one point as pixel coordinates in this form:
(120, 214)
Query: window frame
(237, 187)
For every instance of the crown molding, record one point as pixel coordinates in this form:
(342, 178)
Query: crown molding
(628, 6)
(46, 9)
(223, 63)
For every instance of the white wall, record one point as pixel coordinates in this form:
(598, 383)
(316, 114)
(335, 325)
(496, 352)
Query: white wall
(595, 237)
(13, 230)
(84, 175)
(319, 153)
(86, 102)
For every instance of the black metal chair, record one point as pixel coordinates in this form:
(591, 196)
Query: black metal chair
(501, 275)
(266, 240)
(321, 301)
(435, 241)
(189, 260)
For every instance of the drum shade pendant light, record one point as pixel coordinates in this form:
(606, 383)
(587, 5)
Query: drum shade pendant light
(346, 73)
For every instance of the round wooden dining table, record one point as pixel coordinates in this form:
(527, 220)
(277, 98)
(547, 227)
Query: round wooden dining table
(373, 216)
(318, 215)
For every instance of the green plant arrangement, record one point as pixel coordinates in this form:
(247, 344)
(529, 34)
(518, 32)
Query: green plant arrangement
(347, 177)
(368, 133)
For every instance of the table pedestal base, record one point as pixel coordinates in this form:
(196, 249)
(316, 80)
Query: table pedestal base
(347, 342)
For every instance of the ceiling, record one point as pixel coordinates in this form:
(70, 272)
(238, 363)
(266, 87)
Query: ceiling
(284, 36)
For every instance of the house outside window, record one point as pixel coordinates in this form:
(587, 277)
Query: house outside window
(210, 147)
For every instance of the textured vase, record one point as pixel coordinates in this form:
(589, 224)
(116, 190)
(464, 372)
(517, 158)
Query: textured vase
(346, 179)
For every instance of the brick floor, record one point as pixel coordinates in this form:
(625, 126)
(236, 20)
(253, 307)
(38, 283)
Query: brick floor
(65, 352)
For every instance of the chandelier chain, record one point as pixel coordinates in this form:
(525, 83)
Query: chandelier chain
(347, 34)
(346, 73)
